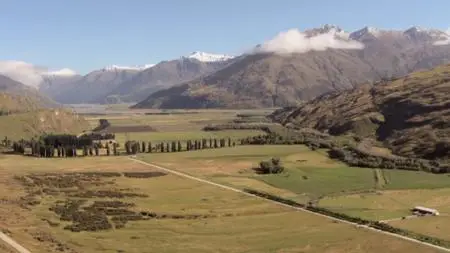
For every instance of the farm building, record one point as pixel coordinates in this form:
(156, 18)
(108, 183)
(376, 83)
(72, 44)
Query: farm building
(420, 210)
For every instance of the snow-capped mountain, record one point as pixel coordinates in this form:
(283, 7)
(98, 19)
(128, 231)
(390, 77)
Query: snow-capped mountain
(207, 57)
(131, 83)
(300, 65)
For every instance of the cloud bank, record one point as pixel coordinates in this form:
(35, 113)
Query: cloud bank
(29, 74)
(445, 41)
(294, 41)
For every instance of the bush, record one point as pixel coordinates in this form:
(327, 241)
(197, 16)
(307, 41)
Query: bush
(270, 167)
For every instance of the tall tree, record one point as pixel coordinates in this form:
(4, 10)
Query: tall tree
(115, 149)
(150, 148)
(143, 147)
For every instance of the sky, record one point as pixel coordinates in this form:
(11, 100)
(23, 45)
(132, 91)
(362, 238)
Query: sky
(84, 35)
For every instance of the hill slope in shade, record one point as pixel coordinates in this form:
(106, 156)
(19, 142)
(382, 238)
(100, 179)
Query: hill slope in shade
(163, 75)
(116, 84)
(411, 115)
(269, 79)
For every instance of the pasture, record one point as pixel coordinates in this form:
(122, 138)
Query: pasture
(112, 204)
(180, 215)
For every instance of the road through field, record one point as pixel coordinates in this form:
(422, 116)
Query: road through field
(19, 248)
(285, 205)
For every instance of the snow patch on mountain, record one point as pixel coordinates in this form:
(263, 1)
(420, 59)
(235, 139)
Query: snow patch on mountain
(445, 40)
(207, 57)
(295, 41)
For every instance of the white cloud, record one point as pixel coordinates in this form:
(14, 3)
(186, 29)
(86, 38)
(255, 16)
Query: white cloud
(29, 74)
(294, 41)
(62, 72)
(23, 72)
(444, 41)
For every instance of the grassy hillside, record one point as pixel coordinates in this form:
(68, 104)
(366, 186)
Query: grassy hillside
(410, 115)
(10, 103)
(25, 113)
(32, 123)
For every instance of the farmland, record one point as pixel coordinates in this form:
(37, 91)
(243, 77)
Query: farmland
(113, 204)
(189, 215)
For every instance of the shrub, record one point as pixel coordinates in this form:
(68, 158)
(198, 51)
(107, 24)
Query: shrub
(272, 166)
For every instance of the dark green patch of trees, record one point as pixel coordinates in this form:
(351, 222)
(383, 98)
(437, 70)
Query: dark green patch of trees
(273, 166)
(358, 158)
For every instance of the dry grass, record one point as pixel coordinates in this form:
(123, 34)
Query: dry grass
(240, 223)
(390, 204)
(434, 226)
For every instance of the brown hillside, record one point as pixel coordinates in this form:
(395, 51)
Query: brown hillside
(410, 114)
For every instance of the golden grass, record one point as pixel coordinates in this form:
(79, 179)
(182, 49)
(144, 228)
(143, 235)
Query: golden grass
(241, 224)
(434, 226)
(385, 205)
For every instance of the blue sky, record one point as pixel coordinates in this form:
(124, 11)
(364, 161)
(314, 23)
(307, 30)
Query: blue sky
(89, 34)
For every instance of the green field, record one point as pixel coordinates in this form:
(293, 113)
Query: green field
(309, 173)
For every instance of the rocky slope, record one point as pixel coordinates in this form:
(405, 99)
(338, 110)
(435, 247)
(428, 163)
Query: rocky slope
(320, 61)
(411, 115)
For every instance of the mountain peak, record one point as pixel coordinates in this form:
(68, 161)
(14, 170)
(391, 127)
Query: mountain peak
(207, 57)
(330, 27)
(365, 31)
(415, 29)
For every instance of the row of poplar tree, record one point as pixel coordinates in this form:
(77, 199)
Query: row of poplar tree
(39, 149)
(134, 147)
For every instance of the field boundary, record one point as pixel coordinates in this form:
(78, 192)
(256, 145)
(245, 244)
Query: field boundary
(289, 206)
(8, 240)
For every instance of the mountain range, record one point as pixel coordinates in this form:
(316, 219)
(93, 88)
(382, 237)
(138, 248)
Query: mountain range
(293, 66)
(113, 84)
(299, 66)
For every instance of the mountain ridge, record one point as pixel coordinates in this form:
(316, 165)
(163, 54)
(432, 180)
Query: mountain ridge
(410, 114)
(268, 78)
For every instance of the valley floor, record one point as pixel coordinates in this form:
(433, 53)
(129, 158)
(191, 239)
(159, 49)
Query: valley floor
(126, 206)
